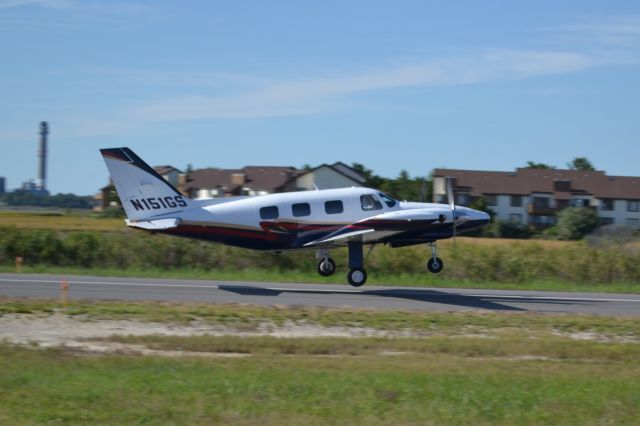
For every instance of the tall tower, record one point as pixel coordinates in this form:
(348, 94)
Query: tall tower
(42, 155)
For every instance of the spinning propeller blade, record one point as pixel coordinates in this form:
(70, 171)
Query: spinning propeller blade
(452, 205)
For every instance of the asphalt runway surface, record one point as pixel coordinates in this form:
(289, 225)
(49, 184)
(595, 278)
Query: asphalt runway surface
(376, 297)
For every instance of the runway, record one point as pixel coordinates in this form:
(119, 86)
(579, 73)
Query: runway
(375, 297)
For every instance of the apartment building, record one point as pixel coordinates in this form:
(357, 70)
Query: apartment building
(535, 196)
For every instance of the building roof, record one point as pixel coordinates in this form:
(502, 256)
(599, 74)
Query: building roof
(261, 178)
(339, 168)
(563, 184)
(163, 170)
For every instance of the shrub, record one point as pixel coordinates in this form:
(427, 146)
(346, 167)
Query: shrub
(577, 262)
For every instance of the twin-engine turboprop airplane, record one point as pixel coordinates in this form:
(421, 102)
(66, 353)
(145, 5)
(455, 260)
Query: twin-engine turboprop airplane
(321, 220)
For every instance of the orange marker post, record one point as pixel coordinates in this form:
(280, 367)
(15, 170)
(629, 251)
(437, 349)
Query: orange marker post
(19, 264)
(64, 288)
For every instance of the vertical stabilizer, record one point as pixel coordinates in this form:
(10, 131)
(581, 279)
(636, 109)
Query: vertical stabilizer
(143, 193)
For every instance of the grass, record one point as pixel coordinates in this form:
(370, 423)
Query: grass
(468, 368)
(75, 247)
(59, 222)
(55, 386)
(88, 222)
(510, 345)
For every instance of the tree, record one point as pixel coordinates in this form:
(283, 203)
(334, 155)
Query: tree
(371, 179)
(576, 222)
(581, 163)
(534, 165)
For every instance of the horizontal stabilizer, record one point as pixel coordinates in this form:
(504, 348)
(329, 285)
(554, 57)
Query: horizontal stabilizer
(154, 225)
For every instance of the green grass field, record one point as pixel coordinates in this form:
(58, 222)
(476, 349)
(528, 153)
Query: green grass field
(60, 387)
(454, 369)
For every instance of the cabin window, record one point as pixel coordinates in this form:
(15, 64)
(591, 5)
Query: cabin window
(333, 207)
(270, 212)
(370, 202)
(387, 200)
(301, 209)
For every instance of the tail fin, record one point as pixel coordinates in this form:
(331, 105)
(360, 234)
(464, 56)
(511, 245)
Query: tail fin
(143, 192)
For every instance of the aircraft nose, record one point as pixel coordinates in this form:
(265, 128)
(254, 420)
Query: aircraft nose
(483, 217)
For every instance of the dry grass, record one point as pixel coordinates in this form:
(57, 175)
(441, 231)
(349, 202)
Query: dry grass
(59, 222)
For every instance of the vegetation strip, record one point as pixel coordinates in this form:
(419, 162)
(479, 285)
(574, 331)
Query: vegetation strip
(511, 346)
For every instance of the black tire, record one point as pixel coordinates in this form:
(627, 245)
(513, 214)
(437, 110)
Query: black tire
(357, 277)
(435, 265)
(326, 267)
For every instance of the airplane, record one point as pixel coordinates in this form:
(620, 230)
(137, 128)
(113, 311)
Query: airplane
(319, 220)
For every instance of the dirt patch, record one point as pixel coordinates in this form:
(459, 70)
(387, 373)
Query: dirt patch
(84, 335)
(89, 336)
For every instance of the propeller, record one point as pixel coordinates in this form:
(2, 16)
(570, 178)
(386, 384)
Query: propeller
(452, 205)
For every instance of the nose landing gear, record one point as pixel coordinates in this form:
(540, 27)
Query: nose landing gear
(435, 264)
(326, 266)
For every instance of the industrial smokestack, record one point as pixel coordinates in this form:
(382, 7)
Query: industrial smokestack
(42, 155)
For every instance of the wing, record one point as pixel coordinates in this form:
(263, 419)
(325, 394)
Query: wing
(381, 226)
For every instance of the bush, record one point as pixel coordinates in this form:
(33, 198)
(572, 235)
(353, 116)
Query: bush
(576, 262)
(576, 222)
(507, 229)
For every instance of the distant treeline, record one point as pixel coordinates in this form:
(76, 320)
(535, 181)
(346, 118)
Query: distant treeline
(65, 201)
(572, 262)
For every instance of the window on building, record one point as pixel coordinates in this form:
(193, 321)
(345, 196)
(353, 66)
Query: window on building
(580, 202)
(492, 200)
(607, 221)
(633, 222)
(462, 199)
(516, 201)
(633, 205)
(370, 202)
(515, 217)
(301, 209)
(270, 212)
(387, 200)
(333, 207)
(543, 220)
(606, 205)
(541, 202)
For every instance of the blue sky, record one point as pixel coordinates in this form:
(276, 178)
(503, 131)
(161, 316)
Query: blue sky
(396, 85)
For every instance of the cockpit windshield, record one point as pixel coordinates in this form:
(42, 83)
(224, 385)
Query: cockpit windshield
(387, 199)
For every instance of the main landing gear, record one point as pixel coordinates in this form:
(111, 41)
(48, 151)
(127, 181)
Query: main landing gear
(356, 276)
(435, 264)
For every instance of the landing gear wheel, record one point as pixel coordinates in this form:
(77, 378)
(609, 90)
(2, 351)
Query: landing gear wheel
(357, 277)
(326, 267)
(435, 265)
